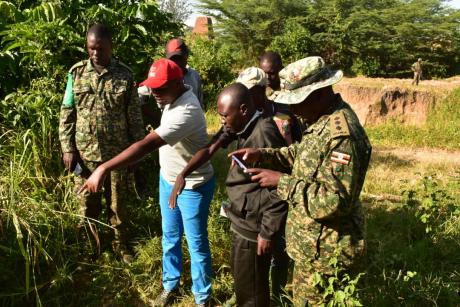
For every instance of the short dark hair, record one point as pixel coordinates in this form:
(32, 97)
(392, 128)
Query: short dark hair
(240, 95)
(271, 56)
(99, 30)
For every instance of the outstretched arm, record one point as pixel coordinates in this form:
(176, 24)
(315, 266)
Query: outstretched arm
(129, 156)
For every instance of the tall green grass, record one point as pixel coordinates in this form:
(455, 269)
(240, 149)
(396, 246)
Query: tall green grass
(441, 130)
(38, 213)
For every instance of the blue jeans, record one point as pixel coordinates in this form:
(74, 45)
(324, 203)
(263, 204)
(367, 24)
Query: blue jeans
(189, 216)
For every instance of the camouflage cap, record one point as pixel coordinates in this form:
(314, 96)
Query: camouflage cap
(252, 76)
(301, 78)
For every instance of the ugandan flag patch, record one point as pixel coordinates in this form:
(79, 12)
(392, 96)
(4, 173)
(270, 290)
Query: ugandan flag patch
(341, 158)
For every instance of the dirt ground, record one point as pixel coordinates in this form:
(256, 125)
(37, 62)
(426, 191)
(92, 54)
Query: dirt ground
(422, 155)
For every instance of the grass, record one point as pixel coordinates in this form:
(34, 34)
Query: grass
(413, 223)
(441, 130)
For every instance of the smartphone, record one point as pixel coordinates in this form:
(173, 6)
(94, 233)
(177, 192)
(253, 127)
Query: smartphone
(239, 162)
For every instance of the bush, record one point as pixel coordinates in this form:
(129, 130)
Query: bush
(214, 61)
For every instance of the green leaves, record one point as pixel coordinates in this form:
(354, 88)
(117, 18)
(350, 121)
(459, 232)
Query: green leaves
(249, 26)
(369, 37)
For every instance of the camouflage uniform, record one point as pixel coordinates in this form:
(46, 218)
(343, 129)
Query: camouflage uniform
(100, 117)
(417, 69)
(328, 171)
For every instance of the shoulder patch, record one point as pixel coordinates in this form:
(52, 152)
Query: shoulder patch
(338, 125)
(125, 66)
(79, 64)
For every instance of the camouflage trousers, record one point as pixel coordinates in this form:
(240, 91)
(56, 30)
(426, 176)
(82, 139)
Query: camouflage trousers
(312, 246)
(118, 191)
(417, 77)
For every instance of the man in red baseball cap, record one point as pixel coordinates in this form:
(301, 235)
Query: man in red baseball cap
(182, 132)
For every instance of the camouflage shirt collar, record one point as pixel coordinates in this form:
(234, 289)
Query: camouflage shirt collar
(110, 68)
(319, 125)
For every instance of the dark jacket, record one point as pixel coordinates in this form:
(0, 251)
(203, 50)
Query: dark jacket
(255, 210)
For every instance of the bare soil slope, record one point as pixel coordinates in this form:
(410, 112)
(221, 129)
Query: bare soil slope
(377, 100)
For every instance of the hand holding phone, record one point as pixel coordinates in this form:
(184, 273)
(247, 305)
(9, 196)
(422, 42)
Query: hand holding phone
(239, 163)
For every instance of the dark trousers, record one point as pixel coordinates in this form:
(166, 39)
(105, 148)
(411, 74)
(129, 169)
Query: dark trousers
(250, 273)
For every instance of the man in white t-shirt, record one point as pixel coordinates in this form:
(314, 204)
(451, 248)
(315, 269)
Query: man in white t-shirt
(182, 132)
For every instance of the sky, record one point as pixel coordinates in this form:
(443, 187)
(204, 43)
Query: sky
(191, 20)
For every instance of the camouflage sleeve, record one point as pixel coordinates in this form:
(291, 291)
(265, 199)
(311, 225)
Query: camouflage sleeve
(67, 124)
(284, 156)
(274, 213)
(134, 116)
(328, 194)
(68, 119)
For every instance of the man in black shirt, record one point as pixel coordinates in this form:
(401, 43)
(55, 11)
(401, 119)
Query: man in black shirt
(256, 214)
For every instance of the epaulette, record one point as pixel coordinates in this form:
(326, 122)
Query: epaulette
(125, 66)
(338, 125)
(79, 64)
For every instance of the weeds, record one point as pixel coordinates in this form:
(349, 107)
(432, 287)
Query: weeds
(39, 247)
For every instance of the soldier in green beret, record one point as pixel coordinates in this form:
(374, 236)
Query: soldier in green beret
(100, 116)
(328, 168)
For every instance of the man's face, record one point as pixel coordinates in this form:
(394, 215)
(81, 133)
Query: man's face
(232, 116)
(99, 50)
(167, 93)
(258, 96)
(272, 70)
(180, 60)
(307, 109)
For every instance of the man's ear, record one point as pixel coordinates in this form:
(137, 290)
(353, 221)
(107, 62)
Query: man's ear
(243, 109)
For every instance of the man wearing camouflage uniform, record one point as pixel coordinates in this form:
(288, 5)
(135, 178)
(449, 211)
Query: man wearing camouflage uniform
(417, 69)
(100, 116)
(328, 170)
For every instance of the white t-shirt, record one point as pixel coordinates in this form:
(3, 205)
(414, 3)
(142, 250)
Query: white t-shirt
(183, 128)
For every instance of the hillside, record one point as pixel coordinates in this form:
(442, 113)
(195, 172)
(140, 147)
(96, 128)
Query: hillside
(378, 100)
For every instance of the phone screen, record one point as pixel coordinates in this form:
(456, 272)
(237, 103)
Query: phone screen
(239, 162)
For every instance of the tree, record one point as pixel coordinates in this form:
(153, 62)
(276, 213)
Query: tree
(249, 26)
(376, 37)
(179, 9)
(39, 39)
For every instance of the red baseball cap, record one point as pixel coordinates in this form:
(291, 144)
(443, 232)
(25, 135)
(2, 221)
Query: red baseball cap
(176, 46)
(162, 71)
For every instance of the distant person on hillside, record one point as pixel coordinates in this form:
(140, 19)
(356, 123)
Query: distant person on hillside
(270, 62)
(100, 117)
(417, 69)
(257, 215)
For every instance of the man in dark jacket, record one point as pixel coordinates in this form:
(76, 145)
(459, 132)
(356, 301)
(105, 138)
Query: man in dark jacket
(256, 214)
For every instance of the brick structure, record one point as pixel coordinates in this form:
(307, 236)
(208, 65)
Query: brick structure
(203, 27)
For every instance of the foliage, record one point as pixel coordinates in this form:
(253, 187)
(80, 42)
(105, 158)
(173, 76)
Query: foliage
(407, 266)
(433, 204)
(370, 37)
(339, 288)
(249, 26)
(214, 62)
(40, 39)
(38, 211)
(295, 41)
(179, 9)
